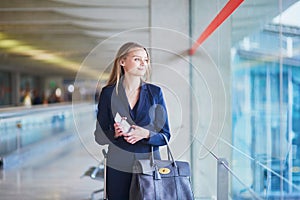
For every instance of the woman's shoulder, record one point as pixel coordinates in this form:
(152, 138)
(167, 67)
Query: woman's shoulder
(153, 89)
(108, 89)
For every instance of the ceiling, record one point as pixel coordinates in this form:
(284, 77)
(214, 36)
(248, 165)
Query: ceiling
(53, 37)
(57, 37)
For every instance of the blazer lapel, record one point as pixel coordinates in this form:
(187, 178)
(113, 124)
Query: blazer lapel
(119, 103)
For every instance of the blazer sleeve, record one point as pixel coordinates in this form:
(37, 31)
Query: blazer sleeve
(161, 122)
(104, 132)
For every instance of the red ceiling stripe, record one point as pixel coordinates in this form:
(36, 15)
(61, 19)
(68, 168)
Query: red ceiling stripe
(217, 21)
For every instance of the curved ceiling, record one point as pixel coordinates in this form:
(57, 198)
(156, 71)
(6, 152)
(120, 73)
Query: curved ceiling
(53, 37)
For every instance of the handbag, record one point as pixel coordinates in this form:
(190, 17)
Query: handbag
(161, 179)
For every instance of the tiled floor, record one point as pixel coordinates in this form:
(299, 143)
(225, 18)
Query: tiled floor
(53, 178)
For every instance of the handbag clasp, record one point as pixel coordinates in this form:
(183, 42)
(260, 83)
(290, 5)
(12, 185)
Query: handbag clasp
(164, 170)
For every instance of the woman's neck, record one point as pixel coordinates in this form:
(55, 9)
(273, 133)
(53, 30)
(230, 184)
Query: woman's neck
(131, 83)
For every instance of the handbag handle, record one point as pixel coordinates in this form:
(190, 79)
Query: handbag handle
(170, 155)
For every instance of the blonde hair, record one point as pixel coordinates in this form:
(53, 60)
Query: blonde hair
(117, 70)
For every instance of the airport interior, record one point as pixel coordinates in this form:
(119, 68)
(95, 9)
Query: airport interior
(229, 71)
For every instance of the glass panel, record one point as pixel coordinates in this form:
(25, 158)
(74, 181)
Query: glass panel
(266, 112)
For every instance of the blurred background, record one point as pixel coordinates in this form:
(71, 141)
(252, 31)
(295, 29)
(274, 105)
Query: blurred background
(237, 99)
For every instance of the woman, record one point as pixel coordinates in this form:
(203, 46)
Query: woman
(142, 105)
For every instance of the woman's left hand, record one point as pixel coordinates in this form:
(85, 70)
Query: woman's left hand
(138, 133)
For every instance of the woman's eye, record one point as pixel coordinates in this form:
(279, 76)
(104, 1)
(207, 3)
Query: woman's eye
(136, 59)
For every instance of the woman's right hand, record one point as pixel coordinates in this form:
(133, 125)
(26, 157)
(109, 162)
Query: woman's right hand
(118, 130)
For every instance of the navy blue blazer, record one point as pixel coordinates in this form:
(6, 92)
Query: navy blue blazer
(150, 112)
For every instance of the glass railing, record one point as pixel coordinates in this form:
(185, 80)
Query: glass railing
(22, 127)
(246, 177)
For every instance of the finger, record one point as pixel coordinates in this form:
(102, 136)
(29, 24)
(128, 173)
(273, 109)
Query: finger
(117, 134)
(134, 126)
(126, 139)
(132, 141)
(128, 134)
(129, 140)
(118, 131)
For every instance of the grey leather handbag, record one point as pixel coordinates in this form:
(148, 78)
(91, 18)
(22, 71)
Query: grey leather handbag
(161, 179)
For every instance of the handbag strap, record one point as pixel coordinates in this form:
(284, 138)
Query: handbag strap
(170, 154)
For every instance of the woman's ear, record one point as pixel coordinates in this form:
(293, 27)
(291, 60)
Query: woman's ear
(122, 62)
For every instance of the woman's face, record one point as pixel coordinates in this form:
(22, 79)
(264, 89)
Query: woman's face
(136, 62)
